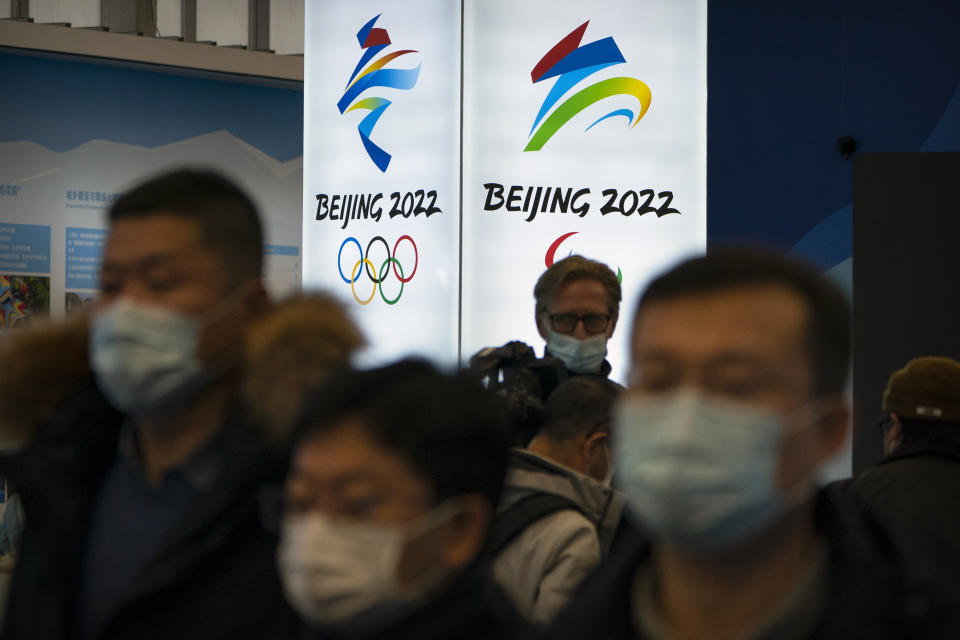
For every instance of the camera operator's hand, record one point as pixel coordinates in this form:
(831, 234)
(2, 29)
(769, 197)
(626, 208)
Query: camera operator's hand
(513, 353)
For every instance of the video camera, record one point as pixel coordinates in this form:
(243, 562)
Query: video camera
(514, 373)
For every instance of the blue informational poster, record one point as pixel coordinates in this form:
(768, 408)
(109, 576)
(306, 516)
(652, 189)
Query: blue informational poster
(83, 258)
(24, 272)
(77, 133)
(24, 248)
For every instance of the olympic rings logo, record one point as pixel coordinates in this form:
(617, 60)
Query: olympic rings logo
(370, 268)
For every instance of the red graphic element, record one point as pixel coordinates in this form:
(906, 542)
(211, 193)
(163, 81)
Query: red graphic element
(559, 50)
(376, 37)
(548, 259)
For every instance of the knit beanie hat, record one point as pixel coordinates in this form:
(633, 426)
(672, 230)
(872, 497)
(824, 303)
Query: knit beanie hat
(928, 388)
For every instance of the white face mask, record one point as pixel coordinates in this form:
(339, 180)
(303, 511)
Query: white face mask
(145, 359)
(580, 356)
(700, 472)
(342, 573)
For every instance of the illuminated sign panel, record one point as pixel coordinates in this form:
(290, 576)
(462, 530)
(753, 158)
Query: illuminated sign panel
(584, 132)
(583, 129)
(381, 169)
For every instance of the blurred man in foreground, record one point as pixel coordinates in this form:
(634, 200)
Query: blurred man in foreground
(735, 399)
(915, 489)
(394, 478)
(137, 489)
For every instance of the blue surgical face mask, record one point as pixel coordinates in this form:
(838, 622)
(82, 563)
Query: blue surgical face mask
(145, 358)
(700, 472)
(580, 356)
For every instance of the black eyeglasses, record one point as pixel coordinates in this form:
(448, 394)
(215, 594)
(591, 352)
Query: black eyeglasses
(567, 322)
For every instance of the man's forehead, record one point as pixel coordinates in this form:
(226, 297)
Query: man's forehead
(344, 441)
(152, 236)
(765, 321)
(578, 290)
(347, 450)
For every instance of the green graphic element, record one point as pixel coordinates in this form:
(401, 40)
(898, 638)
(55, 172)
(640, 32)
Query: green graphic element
(586, 97)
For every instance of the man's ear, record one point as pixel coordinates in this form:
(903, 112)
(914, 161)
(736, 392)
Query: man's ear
(814, 441)
(613, 325)
(595, 440)
(893, 437)
(833, 426)
(259, 298)
(247, 302)
(597, 455)
(469, 529)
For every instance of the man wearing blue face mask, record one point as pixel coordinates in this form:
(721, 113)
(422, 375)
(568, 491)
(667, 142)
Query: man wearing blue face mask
(577, 305)
(138, 492)
(739, 361)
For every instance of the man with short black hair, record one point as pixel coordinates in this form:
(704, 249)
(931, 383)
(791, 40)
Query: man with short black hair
(225, 217)
(575, 427)
(739, 362)
(394, 478)
(915, 489)
(559, 514)
(139, 491)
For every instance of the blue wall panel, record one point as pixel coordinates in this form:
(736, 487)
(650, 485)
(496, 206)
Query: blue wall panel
(130, 104)
(787, 79)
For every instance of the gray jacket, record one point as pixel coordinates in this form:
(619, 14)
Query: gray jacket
(541, 568)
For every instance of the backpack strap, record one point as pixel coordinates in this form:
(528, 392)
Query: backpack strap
(511, 522)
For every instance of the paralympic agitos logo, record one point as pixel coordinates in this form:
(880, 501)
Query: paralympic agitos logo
(373, 41)
(550, 257)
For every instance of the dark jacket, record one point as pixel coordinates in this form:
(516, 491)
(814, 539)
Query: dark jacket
(215, 578)
(915, 492)
(877, 590)
(472, 608)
